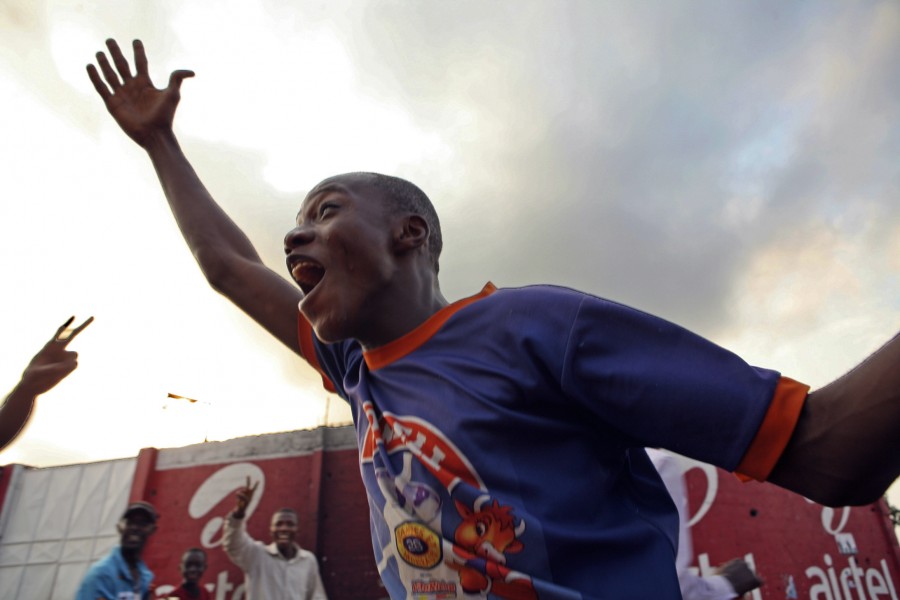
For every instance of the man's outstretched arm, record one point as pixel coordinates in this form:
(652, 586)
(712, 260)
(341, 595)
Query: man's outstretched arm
(845, 449)
(48, 367)
(226, 257)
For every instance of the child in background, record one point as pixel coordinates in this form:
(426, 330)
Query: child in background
(193, 565)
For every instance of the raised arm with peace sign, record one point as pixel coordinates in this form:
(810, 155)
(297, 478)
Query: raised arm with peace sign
(47, 368)
(242, 499)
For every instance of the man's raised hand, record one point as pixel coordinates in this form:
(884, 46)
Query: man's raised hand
(243, 497)
(53, 362)
(49, 366)
(138, 107)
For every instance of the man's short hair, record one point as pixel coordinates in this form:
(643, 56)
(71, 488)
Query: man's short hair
(195, 549)
(406, 197)
(141, 507)
(290, 511)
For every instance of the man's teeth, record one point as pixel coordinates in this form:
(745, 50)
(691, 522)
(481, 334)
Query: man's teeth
(300, 267)
(307, 274)
(306, 270)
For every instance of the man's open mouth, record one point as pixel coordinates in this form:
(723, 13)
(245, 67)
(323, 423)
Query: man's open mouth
(132, 538)
(307, 274)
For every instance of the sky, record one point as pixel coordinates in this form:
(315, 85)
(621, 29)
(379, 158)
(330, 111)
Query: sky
(729, 166)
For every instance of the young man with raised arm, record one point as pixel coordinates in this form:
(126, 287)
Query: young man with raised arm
(280, 569)
(501, 436)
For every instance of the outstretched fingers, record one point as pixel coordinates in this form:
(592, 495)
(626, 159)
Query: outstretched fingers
(140, 58)
(98, 83)
(119, 60)
(62, 328)
(108, 74)
(137, 106)
(177, 77)
(79, 329)
(62, 338)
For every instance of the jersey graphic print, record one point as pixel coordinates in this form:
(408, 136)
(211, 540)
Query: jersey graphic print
(438, 533)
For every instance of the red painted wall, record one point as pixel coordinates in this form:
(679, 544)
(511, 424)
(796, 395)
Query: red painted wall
(345, 539)
(794, 543)
(791, 542)
(193, 500)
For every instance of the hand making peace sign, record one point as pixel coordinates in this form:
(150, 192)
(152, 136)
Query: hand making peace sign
(53, 362)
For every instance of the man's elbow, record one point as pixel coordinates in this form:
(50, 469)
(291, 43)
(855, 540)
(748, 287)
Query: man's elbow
(840, 498)
(218, 271)
(833, 484)
(856, 491)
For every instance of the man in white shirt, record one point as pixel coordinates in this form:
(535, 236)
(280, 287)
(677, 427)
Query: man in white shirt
(275, 571)
(732, 579)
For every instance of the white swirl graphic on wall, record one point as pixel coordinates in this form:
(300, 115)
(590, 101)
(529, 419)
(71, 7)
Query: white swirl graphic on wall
(712, 486)
(218, 486)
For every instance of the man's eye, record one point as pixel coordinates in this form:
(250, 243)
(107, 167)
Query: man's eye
(327, 208)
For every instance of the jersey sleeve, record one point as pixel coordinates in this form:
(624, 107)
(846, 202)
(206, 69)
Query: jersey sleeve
(657, 384)
(777, 427)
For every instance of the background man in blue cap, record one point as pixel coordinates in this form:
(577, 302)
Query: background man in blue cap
(121, 574)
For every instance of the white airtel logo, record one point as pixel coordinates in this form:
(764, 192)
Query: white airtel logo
(712, 487)
(217, 487)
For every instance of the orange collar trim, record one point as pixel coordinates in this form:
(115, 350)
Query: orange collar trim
(385, 355)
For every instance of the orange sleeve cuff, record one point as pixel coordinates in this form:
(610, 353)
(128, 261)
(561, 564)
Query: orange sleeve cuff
(775, 432)
(308, 350)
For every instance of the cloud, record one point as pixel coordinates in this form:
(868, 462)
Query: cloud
(729, 166)
(644, 152)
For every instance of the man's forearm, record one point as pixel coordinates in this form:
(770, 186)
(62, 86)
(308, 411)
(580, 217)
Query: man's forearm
(237, 543)
(846, 447)
(209, 232)
(226, 257)
(14, 413)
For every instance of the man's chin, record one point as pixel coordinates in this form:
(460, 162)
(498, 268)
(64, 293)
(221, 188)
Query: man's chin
(132, 546)
(332, 320)
(328, 332)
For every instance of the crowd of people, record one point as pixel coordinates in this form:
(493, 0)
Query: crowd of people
(456, 402)
(280, 569)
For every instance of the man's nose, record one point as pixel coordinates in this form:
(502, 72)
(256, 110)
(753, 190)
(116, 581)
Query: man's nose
(298, 236)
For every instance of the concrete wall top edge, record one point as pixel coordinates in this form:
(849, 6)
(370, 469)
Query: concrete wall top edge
(77, 465)
(270, 445)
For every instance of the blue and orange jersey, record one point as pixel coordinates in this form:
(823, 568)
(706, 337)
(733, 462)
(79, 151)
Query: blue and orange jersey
(501, 442)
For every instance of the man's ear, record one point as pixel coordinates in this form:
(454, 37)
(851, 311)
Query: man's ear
(410, 233)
